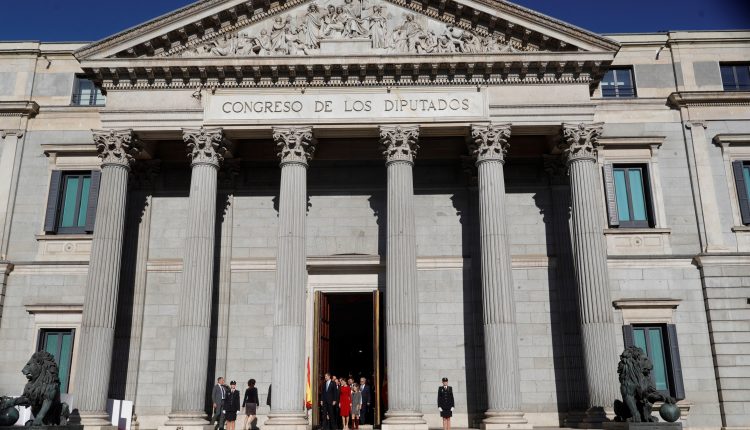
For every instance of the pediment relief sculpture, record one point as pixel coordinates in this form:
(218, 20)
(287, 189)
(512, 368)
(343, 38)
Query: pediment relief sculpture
(375, 27)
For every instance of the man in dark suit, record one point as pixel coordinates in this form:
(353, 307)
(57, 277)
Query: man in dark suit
(366, 399)
(218, 394)
(329, 399)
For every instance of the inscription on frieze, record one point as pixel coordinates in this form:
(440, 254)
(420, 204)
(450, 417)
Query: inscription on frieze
(364, 107)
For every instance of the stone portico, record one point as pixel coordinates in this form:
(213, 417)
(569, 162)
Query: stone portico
(263, 163)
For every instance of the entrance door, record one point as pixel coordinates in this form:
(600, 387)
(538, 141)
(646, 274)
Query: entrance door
(347, 334)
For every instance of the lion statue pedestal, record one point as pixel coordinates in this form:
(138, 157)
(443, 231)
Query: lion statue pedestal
(42, 394)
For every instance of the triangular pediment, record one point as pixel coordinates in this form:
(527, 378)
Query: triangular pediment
(258, 28)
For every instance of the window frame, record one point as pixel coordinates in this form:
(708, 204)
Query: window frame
(617, 88)
(63, 189)
(670, 346)
(648, 199)
(97, 98)
(56, 202)
(42, 334)
(665, 349)
(734, 67)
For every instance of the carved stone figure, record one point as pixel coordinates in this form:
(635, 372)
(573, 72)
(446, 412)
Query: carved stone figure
(332, 26)
(411, 37)
(638, 392)
(353, 25)
(378, 28)
(41, 393)
(279, 32)
(312, 26)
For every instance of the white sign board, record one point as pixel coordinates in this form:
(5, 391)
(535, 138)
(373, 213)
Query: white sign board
(397, 105)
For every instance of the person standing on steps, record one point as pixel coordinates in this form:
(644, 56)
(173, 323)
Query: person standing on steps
(356, 405)
(366, 399)
(250, 403)
(446, 403)
(345, 403)
(329, 399)
(218, 394)
(231, 405)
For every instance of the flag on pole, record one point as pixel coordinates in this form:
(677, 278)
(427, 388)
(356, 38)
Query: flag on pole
(308, 387)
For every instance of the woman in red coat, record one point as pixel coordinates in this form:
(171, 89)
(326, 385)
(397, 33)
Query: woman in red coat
(345, 403)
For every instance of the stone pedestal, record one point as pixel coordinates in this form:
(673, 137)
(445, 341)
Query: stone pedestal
(401, 295)
(296, 147)
(642, 426)
(598, 330)
(116, 149)
(205, 149)
(489, 145)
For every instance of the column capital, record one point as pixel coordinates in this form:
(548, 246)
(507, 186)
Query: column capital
(580, 141)
(699, 123)
(295, 144)
(489, 142)
(399, 142)
(13, 132)
(116, 147)
(205, 145)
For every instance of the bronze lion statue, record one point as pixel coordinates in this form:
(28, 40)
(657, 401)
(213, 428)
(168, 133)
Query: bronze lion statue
(638, 392)
(42, 392)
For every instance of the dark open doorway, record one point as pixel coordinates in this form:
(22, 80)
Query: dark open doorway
(348, 341)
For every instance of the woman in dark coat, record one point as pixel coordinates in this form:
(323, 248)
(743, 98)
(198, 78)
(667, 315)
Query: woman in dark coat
(445, 403)
(250, 403)
(231, 405)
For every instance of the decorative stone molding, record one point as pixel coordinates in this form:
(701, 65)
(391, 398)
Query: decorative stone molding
(490, 142)
(399, 142)
(647, 311)
(19, 108)
(16, 133)
(580, 141)
(682, 99)
(295, 144)
(205, 145)
(116, 147)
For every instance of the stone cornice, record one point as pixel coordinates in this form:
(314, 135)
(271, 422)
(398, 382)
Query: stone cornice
(205, 20)
(732, 139)
(351, 70)
(709, 98)
(18, 108)
(631, 141)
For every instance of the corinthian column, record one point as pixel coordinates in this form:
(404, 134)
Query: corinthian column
(598, 331)
(206, 148)
(296, 147)
(116, 148)
(489, 144)
(401, 295)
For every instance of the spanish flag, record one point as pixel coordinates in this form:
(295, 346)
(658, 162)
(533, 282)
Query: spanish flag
(308, 387)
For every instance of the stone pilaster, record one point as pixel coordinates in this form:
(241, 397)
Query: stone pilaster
(488, 145)
(10, 165)
(598, 331)
(401, 294)
(116, 148)
(296, 147)
(206, 148)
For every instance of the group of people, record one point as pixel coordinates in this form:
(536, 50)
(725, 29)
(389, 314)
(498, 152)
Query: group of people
(226, 404)
(344, 403)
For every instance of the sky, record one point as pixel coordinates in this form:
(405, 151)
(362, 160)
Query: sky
(91, 20)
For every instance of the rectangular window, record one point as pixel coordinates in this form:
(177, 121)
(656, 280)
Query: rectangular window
(71, 205)
(59, 343)
(659, 342)
(741, 170)
(628, 195)
(85, 93)
(618, 83)
(736, 77)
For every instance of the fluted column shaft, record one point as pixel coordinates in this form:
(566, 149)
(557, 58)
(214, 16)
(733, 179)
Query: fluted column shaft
(205, 148)
(598, 329)
(401, 295)
(116, 149)
(489, 145)
(296, 147)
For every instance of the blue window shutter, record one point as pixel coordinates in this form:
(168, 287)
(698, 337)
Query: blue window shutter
(739, 180)
(627, 335)
(676, 367)
(96, 178)
(611, 195)
(53, 201)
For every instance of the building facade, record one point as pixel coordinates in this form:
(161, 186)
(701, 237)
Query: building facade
(396, 190)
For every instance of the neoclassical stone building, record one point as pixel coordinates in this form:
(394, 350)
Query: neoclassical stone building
(399, 190)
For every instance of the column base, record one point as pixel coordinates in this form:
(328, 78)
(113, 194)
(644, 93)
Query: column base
(406, 420)
(287, 421)
(496, 420)
(98, 420)
(193, 420)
